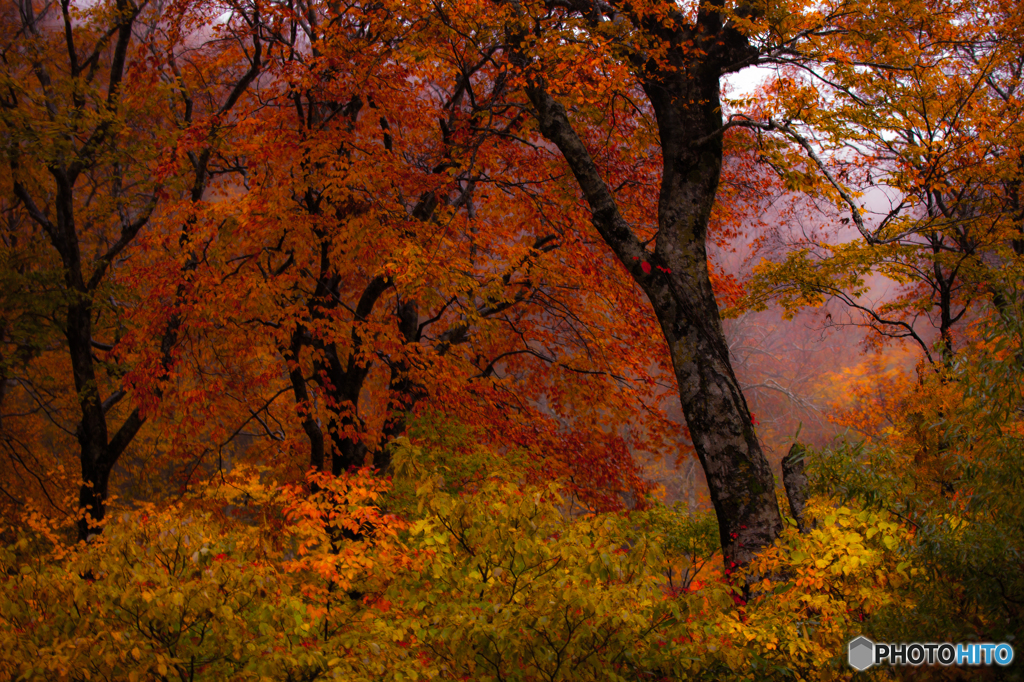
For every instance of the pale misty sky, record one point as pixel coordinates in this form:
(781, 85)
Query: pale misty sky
(747, 80)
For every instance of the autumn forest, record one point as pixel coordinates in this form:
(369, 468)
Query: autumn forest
(509, 339)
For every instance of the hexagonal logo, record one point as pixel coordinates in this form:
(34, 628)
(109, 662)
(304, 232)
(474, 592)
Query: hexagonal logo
(862, 653)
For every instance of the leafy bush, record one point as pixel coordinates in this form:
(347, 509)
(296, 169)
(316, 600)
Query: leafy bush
(487, 579)
(950, 470)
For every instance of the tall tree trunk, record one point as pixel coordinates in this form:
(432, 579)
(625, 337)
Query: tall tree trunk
(683, 88)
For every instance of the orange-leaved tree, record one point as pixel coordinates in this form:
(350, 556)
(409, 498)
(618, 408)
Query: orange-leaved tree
(396, 248)
(611, 82)
(110, 119)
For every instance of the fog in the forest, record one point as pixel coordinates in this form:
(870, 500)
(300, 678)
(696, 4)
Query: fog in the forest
(799, 372)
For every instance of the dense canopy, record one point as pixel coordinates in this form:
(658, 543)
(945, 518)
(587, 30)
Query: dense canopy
(371, 340)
